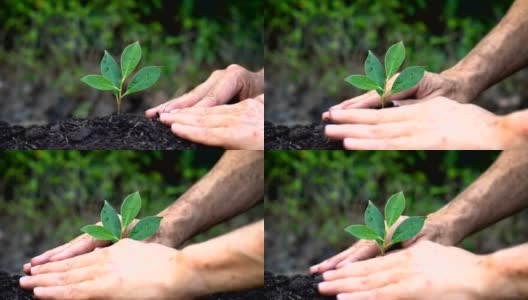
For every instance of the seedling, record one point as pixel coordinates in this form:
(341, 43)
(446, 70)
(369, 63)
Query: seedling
(377, 77)
(113, 78)
(113, 228)
(376, 227)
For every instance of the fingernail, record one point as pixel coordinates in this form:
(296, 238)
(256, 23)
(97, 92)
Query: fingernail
(340, 297)
(34, 269)
(322, 285)
(329, 128)
(23, 280)
(327, 274)
(314, 269)
(396, 103)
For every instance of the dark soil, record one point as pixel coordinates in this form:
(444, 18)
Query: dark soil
(125, 131)
(10, 290)
(280, 137)
(280, 287)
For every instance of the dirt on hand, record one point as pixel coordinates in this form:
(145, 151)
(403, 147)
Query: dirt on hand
(125, 131)
(299, 137)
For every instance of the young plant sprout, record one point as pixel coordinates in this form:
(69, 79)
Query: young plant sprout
(113, 78)
(113, 228)
(377, 77)
(376, 227)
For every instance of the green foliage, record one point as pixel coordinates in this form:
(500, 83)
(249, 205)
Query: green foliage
(332, 188)
(113, 230)
(111, 79)
(319, 42)
(62, 38)
(376, 228)
(377, 79)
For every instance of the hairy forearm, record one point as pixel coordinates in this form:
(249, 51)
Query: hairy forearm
(502, 52)
(511, 268)
(500, 192)
(231, 187)
(234, 261)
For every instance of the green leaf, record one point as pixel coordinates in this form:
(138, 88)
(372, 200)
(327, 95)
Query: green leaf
(362, 82)
(394, 208)
(407, 79)
(380, 91)
(99, 232)
(394, 59)
(110, 70)
(374, 69)
(363, 232)
(110, 219)
(130, 59)
(145, 228)
(408, 229)
(143, 79)
(374, 219)
(99, 82)
(130, 208)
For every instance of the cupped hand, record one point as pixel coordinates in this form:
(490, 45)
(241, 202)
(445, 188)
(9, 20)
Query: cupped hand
(235, 126)
(127, 270)
(440, 123)
(425, 271)
(433, 230)
(448, 84)
(219, 88)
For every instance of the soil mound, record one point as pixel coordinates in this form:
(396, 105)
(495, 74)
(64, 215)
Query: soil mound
(299, 137)
(280, 287)
(125, 131)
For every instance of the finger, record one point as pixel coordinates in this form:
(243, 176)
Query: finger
(362, 253)
(199, 120)
(358, 251)
(363, 268)
(392, 291)
(359, 284)
(223, 90)
(27, 268)
(44, 257)
(85, 245)
(78, 291)
(405, 143)
(57, 279)
(67, 264)
(398, 103)
(371, 116)
(368, 100)
(189, 99)
(331, 262)
(381, 131)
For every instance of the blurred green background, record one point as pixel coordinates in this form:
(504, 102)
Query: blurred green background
(47, 196)
(46, 46)
(311, 46)
(311, 196)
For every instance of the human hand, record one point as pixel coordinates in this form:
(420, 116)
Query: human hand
(425, 271)
(433, 230)
(449, 84)
(85, 243)
(219, 88)
(440, 123)
(236, 126)
(127, 270)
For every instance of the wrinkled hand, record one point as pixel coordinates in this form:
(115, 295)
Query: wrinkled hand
(440, 123)
(432, 230)
(127, 270)
(425, 271)
(448, 84)
(219, 88)
(235, 126)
